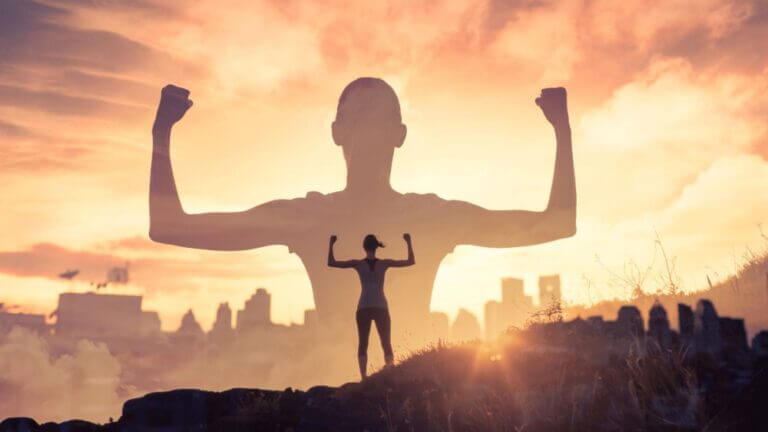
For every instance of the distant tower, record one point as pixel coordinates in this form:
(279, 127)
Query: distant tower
(630, 322)
(256, 312)
(706, 329)
(223, 323)
(685, 323)
(511, 290)
(439, 325)
(91, 315)
(492, 320)
(189, 325)
(549, 290)
(733, 339)
(658, 325)
(222, 330)
(465, 327)
(515, 305)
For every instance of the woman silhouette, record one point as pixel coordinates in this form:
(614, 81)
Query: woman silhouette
(372, 305)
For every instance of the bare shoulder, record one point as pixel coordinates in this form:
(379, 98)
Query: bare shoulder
(423, 199)
(307, 202)
(432, 201)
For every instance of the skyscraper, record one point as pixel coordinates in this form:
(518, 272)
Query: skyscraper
(256, 312)
(515, 305)
(549, 290)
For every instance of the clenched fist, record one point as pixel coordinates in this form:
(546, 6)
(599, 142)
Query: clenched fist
(553, 103)
(174, 102)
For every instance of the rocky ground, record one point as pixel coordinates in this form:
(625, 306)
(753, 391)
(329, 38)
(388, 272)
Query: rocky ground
(574, 376)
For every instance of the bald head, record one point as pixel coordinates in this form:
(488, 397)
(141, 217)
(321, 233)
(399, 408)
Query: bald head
(368, 127)
(370, 99)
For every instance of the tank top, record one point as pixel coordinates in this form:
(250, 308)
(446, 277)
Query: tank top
(372, 284)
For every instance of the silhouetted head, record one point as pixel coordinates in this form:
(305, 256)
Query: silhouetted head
(368, 127)
(370, 243)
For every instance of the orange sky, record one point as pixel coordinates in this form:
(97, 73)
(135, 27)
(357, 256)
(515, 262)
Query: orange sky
(668, 108)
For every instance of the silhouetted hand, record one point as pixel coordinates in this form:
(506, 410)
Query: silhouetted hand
(174, 102)
(333, 239)
(553, 103)
(407, 237)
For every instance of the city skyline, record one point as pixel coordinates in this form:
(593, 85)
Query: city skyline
(668, 141)
(259, 303)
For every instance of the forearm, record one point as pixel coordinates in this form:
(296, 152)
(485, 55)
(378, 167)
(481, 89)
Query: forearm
(562, 196)
(164, 204)
(411, 257)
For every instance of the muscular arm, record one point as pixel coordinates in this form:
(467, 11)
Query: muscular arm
(332, 262)
(262, 225)
(476, 225)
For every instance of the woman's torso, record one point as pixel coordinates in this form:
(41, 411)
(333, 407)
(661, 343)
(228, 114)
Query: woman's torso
(371, 274)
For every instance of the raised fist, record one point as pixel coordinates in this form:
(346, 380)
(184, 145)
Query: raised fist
(333, 239)
(407, 237)
(553, 103)
(174, 102)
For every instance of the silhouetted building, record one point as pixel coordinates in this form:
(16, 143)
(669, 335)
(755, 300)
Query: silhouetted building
(439, 325)
(630, 322)
(223, 318)
(465, 326)
(30, 321)
(760, 345)
(256, 312)
(596, 321)
(516, 307)
(706, 329)
(99, 315)
(150, 323)
(189, 325)
(658, 326)
(723, 338)
(222, 327)
(492, 319)
(733, 339)
(685, 323)
(549, 290)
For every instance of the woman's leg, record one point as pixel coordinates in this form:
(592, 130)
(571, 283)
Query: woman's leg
(363, 318)
(383, 326)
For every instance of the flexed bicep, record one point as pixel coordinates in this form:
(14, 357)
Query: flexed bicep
(274, 222)
(475, 225)
(271, 223)
(471, 224)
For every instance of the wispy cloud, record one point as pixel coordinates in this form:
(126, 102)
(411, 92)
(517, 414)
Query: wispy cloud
(662, 98)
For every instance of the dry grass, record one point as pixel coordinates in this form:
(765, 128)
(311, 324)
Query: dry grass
(518, 385)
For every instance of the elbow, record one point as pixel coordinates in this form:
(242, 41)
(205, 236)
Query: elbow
(157, 236)
(565, 222)
(570, 225)
(566, 230)
(161, 235)
(169, 227)
(570, 231)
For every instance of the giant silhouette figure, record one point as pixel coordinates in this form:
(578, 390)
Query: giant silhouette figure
(368, 128)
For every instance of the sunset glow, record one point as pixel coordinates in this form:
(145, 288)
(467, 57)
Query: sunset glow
(668, 107)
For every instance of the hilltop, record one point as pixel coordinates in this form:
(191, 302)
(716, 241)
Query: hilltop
(579, 375)
(743, 294)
